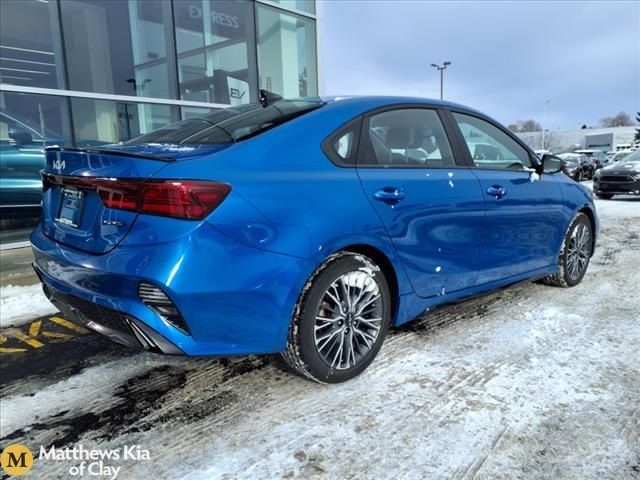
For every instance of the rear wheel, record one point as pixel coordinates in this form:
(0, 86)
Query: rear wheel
(604, 196)
(575, 255)
(340, 321)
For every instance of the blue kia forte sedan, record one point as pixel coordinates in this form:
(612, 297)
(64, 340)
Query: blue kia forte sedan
(306, 227)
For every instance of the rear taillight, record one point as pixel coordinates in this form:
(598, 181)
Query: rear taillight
(190, 199)
(171, 198)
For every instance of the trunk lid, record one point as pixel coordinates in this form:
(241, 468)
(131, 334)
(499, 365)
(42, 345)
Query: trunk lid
(73, 211)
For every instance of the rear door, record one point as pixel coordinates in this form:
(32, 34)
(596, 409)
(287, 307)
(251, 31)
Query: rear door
(524, 224)
(432, 207)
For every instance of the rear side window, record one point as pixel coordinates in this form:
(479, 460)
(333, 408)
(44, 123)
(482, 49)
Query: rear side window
(230, 124)
(489, 146)
(410, 137)
(341, 147)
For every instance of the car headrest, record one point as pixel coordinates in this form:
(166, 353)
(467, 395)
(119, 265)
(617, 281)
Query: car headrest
(404, 137)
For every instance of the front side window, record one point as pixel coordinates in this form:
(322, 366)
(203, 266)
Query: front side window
(406, 137)
(489, 146)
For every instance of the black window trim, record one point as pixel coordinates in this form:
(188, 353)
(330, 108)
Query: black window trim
(457, 159)
(466, 154)
(353, 125)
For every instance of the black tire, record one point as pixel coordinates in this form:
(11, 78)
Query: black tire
(563, 277)
(604, 196)
(580, 176)
(303, 354)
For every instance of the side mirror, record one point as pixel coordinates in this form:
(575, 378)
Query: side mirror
(20, 136)
(551, 164)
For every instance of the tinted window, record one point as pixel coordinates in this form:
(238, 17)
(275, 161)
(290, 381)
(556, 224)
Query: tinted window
(489, 146)
(406, 137)
(230, 124)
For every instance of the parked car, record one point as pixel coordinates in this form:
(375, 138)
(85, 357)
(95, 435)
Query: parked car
(306, 227)
(596, 157)
(21, 159)
(577, 166)
(621, 155)
(619, 178)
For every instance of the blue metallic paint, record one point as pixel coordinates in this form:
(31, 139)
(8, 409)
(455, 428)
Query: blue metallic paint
(237, 275)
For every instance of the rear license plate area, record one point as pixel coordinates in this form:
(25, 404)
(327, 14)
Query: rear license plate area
(70, 207)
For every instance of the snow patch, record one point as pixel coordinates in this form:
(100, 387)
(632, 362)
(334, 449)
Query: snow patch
(20, 304)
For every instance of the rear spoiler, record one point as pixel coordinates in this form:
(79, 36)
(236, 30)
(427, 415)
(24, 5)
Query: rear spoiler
(110, 151)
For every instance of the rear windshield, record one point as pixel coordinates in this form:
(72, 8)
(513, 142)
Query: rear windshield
(230, 124)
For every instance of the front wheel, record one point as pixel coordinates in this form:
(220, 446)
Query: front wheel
(340, 321)
(577, 248)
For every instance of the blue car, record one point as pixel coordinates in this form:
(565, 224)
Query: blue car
(306, 227)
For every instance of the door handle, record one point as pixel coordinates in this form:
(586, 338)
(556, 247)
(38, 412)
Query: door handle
(389, 195)
(497, 191)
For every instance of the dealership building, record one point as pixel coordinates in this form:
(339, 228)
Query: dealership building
(605, 139)
(91, 72)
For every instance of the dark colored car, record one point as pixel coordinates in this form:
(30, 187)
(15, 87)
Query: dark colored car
(577, 166)
(597, 157)
(621, 178)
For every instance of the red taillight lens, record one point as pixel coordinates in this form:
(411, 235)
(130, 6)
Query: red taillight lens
(171, 198)
(190, 199)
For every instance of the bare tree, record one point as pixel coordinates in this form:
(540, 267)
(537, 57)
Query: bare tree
(522, 126)
(637, 135)
(619, 120)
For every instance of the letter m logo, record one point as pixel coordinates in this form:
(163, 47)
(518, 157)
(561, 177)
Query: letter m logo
(19, 460)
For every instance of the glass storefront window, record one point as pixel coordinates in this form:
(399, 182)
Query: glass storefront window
(28, 123)
(30, 50)
(216, 51)
(286, 53)
(119, 46)
(308, 6)
(193, 112)
(100, 122)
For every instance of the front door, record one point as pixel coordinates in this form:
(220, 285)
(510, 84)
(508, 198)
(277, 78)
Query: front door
(524, 224)
(432, 207)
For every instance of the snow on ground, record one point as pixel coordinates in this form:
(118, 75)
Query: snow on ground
(533, 382)
(18, 305)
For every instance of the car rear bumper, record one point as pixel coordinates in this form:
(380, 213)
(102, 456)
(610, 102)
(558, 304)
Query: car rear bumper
(234, 299)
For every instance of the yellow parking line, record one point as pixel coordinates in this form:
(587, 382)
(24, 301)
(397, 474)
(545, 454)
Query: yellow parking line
(34, 328)
(9, 350)
(28, 340)
(65, 336)
(69, 325)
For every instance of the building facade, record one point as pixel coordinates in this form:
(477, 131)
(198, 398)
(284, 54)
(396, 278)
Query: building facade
(90, 72)
(605, 139)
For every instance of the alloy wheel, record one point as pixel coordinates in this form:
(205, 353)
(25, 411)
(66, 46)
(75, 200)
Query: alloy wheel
(348, 320)
(578, 251)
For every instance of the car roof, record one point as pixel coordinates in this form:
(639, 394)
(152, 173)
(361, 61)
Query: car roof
(374, 101)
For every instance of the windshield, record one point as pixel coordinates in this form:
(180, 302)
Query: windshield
(230, 124)
(619, 156)
(633, 157)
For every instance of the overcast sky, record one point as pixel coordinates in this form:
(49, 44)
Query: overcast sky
(507, 58)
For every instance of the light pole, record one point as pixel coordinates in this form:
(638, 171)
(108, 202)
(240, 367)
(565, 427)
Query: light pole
(544, 120)
(441, 68)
